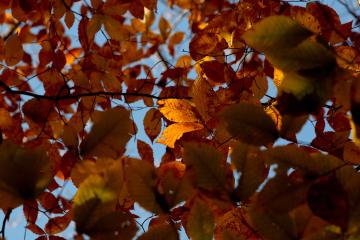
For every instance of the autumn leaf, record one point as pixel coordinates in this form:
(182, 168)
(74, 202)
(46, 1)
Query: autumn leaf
(140, 179)
(33, 168)
(94, 204)
(161, 232)
(152, 123)
(108, 135)
(13, 50)
(250, 124)
(200, 222)
(276, 32)
(250, 164)
(177, 110)
(205, 164)
(175, 131)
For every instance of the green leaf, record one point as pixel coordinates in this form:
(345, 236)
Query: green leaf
(249, 163)
(160, 232)
(109, 134)
(141, 181)
(200, 224)
(204, 162)
(309, 54)
(274, 33)
(250, 124)
(24, 173)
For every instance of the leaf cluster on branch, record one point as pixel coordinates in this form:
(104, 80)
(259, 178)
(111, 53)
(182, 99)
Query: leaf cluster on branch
(220, 84)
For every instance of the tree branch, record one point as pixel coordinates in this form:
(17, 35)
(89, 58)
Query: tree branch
(6, 218)
(79, 95)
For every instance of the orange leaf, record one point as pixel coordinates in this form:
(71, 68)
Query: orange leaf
(152, 123)
(175, 131)
(58, 224)
(69, 19)
(177, 110)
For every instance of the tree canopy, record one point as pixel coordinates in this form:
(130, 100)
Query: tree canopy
(225, 87)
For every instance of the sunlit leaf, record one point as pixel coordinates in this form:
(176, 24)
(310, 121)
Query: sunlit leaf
(175, 131)
(177, 110)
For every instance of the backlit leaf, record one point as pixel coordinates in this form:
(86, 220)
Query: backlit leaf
(177, 110)
(175, 131)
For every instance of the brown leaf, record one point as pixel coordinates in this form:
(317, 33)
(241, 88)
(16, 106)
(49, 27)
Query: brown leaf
(145, 151)
(152, 123)
(58, 224)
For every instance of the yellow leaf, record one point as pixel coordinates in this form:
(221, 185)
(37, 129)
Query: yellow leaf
(177, 110)
(13, 50)
(175, 131)
(205, 98)
(278, 77)
(108, 135)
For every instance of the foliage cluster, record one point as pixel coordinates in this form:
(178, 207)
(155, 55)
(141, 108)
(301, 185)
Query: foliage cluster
(210, 107)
